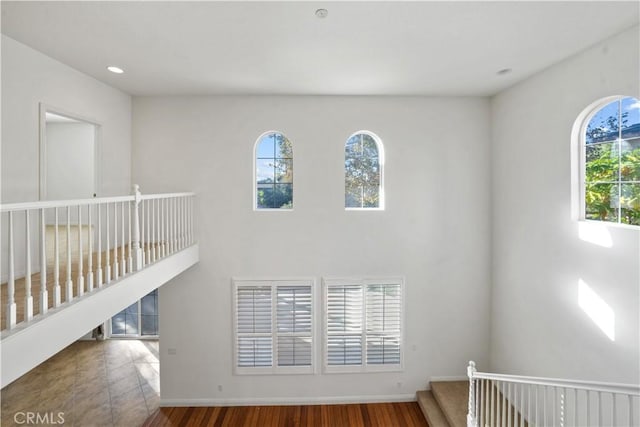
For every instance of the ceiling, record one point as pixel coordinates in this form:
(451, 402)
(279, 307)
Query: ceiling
(360, 48)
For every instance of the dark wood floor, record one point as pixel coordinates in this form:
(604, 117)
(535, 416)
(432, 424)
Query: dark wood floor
(361, 415)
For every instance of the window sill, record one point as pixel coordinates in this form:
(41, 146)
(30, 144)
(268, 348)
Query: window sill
(610, 224)
(362, 369)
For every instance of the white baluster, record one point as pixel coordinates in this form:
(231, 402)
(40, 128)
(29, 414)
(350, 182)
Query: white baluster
(130, 243)
(99, 248)
(562, 406)
(529, 404)
(537, 407)
(493, 403)
(163, 216)
(504, 407)
(170, 219)
(123, 262)
(521, 412)
(80, 277)
(554, 410)
(116, 265)
(107, 264)
(588, 407)
(575, 407)
(69, 282)
(147, 255)
(28, 299)
(90, 250)
(11, 284)
(599, 397)
(154, 226)
(192, 201)
(487, 392)
(44, 294)
(57, 293)
(159, 228)
(630, 417)
(614, 409)
(143, 227)
(175, 224)
(138, 256)
(183, 228)
(178, 223)
(509, 400)
(479, 407)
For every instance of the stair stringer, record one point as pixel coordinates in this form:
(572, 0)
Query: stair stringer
(31, 343)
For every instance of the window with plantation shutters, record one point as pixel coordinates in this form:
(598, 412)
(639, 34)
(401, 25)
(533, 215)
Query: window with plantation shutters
(363, 325)
(273, 326)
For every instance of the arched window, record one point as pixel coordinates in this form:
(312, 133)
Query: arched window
(363, 161)
(611, 163)
(274, 172)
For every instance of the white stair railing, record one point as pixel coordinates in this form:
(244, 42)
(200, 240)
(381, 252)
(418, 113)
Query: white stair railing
(84, 245)
(510, 400)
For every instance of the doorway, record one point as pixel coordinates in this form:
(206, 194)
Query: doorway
(68, 155)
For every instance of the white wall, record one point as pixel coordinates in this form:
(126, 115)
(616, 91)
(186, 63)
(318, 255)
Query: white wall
(29, 78)
(70, 160)
(434, 231)
(538, 257)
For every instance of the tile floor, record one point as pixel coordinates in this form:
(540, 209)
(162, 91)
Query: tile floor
(93, 383)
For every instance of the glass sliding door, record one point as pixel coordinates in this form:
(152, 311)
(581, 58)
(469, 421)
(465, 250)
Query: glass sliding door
(140, 319)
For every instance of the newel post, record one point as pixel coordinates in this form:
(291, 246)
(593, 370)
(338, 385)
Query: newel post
(471, 414)
(137, 250)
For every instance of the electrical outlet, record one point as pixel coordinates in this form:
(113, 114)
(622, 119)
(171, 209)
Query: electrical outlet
(172, 351)
(219, 387)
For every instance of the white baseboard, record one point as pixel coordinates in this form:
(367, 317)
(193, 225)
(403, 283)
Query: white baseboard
(324, 400)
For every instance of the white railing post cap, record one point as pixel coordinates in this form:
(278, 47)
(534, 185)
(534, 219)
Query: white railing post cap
(471, 369)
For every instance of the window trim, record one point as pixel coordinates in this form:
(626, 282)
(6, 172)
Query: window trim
(381, 165)
(357, 281)
(255, 182)
(273, 283)
(579, 137)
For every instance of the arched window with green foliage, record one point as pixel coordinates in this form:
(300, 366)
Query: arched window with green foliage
(611, 163)
(363, 160)
(274, 172)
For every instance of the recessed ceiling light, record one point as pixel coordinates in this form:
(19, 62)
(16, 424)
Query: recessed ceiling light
(322, 13)
(114, 69)
(504, 71)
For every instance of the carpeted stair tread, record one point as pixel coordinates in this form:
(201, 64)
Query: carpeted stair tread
(431, 409)
(453, 399)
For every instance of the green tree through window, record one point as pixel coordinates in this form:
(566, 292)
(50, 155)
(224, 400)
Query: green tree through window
(274, 172)
(362, 171)
(612, 163)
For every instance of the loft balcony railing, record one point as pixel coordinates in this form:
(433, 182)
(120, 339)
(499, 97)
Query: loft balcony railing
(54, 252)
(518, 401)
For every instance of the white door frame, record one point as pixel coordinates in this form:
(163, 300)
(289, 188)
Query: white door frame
(46, 108)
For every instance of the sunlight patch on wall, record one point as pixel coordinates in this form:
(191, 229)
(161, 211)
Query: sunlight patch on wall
(595, 233)
(597, 309)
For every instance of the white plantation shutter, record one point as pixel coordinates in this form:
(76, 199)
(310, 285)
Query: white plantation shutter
(253, 313)
(274, 328)
(344, 325)
(363, 325)
(384, 306)
(294, 325)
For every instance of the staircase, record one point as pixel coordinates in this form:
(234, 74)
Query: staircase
(491, 400)
(445, 405)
